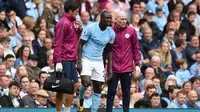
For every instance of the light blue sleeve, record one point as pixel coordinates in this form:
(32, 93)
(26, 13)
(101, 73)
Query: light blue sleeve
(150, 7)
(13, 43)
(166, 10)
(178, 79)
(112, 37)
(86, 34)
(193, 70)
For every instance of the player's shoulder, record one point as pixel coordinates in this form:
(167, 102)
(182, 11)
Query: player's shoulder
(92, 26)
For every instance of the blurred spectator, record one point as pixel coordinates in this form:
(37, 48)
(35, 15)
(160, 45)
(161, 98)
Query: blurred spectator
(41, 24)
(42, 53)
(135, 18)
(19, 7)
(12, 44)
(160, 18)
(5, 41)
(179, 7)
(172, 90)
(192, 99)
(41, 99)
(12, 98)
(26, 41)
(136, 7)
(103, 101)
(24, 82)
(51, 101)
(38, 43)
(29, 99)
(156, 82)
(85, 17)
(169, 37)
(2, 69)
(3, 18)
(182, 35)
(195, 68)
(94, 12)
(20, 72)
(193, 8)
(34, 8)
(187, 87)
(195, 82)
(179, 101)
(84, 6)
(182, 73)
(4, 83)
(147, 43)
(152, 5)
(21, 32)
(198, 94)
(52, 12)
(9, 62)
(188, 26)
(29, 22)
(32, 69)
(116, 103)
(155, 101)
(13, 20)
(50, 67)
(150, 89)
(88, 98)
(1, 52)
(165, 57)
(148, 75)
(24, 53)
(42, 76)
(175, 16)
(178, 52)
(142, 8)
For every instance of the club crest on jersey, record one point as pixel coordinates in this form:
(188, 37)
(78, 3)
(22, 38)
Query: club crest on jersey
(127, 35)
(84, 32)
(106, 39)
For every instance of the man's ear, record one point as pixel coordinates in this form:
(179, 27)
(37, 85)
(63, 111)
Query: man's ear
(70, 12)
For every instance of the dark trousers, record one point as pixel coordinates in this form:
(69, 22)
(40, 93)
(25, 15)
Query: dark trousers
(125, 79)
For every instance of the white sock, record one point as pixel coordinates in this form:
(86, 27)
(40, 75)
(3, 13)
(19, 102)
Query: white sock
(67, 109)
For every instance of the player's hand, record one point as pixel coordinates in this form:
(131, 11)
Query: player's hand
(79, 24)
(59, 67)
(79, 67)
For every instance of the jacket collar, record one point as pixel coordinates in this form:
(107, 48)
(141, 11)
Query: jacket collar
(68, 16)
(119, 29)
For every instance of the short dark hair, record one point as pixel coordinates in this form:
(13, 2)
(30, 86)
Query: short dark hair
(191, 13)
(4, 39)
(150, 86)
(8, 56)
(198, 51)
(9, 10)
(180, 92)
(103, 13)
(42, 72)
(156, 77)
(172, 88)
(142, 21)
(193, 79)
(179, 42)
(181, 32)
(180, 61)
(141, 104)
(14, 83)
(154, 94)
(71, 5)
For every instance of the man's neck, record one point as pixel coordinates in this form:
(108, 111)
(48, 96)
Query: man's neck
(102, 27)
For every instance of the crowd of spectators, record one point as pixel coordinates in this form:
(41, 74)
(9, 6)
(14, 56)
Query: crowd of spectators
(168, 32)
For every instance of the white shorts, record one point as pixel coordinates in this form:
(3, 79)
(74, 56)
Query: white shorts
(93, 69)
